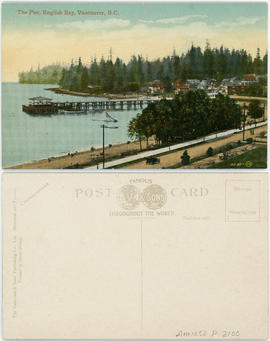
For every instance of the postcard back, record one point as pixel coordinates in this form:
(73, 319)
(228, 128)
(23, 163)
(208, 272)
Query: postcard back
(135, 255)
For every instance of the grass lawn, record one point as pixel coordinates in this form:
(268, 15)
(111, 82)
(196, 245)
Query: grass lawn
(256, 158)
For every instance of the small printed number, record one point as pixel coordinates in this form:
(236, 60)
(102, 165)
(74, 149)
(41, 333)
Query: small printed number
(230, 333)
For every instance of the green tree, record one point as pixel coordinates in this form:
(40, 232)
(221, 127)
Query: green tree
(258, 64)
(149, 73)
(244, 63)
(79, 66)
(176, 67)
(265, 58)
(167, 84)
(186, 72)
(63, 79)
(221, 64)
(218, 63)
(109, 77)
(187, 116)
(119, 75)
(208, 61)
(135, 131)
(84, 79)
(93, 73)
(210, 151)
(255, 110)
(185, 158)
(132, 87)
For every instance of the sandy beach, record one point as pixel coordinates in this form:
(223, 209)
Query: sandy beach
(86, 158)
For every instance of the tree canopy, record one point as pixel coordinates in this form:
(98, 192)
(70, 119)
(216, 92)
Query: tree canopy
(255, 110)
(187, 116)
(118, 76)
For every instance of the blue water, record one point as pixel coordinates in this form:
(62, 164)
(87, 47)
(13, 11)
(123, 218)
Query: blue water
(27, 138)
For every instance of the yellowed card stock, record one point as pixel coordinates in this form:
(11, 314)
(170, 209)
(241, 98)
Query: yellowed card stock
(122, 256)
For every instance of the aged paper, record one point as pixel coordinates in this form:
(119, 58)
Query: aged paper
(138, 255)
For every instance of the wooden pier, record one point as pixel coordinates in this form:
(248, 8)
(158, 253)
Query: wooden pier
(42, 105)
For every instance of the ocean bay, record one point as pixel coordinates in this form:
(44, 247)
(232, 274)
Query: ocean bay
(27, 138)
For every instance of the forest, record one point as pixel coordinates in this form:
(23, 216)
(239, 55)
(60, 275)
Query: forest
(50, 74)
(186, 117)
(119, 77)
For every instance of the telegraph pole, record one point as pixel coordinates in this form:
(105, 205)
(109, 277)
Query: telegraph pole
(103, 152)
(244, 122)
(103, 142)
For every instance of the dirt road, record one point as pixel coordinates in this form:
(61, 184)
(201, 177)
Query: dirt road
(174, 158)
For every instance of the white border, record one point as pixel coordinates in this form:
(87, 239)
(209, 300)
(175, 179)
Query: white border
(267, 170)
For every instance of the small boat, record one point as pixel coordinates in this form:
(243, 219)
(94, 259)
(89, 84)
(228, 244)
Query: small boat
(109, 118)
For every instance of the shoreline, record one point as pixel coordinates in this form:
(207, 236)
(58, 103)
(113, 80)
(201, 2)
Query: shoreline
(94, 158)
(86, 158)
(63, 91)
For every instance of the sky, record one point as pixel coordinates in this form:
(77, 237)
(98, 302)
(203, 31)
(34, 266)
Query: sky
(44, 33)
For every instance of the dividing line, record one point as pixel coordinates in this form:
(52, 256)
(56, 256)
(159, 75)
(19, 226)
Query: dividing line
(142, 275)
(141, 261)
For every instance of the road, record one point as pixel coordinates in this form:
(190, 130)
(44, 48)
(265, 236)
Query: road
(248, 98)
(208, 138)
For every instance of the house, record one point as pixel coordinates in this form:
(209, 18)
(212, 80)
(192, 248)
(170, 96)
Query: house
(143, 90)
(249, 79)
(223, 89)
(193, 82)
(180, 87)
(212, 93)
(177, 83)
(204, 84)
(234, 89)
(193, 87)
(216, 84)
(155, 88)
(236, 81)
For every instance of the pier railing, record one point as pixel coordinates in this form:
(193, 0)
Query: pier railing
(119, 104)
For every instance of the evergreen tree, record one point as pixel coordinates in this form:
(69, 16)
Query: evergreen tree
(84, 79)
(208, 62)
(176, 67)
(255, 110)
(149, 73)
(115, 76)
(258, 64)
(265, 58)
(185, 158)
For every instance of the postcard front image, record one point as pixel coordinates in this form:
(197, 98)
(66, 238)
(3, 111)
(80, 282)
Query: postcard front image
(134, 85)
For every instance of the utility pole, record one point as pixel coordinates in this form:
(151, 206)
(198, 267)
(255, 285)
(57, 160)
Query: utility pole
(244, 122)
(103, 142)
(103, 145)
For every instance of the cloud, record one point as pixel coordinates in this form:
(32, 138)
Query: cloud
(91, 25)
(240, 21)
(176, 20)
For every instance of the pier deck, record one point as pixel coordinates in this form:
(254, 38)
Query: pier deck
(41, 105)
